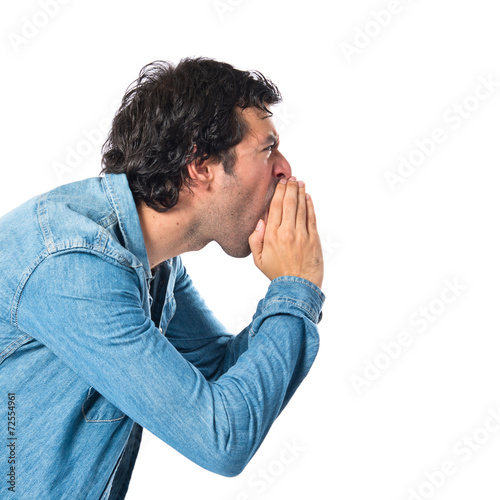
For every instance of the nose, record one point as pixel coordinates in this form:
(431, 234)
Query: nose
(281, 167)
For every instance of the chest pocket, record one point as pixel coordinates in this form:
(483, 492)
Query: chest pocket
(96, 408)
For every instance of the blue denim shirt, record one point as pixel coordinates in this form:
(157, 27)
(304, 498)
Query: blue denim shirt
(94, 348)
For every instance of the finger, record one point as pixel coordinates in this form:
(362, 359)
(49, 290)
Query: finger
(290, 203)
(311, 215)
(256, 241)
(301, 221)
(276, 206)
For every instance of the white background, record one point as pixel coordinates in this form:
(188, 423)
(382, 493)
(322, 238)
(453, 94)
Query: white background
(344, 124)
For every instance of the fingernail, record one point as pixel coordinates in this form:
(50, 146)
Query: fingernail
(283, 181)
(259, 225)
(301, 184)
(292, 179)
(308, 196)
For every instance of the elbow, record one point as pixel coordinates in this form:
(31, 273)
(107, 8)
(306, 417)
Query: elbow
(229, 468)
(233, 434)
(228, 464)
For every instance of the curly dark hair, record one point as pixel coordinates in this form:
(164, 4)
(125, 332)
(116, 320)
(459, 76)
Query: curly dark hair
(173, 115)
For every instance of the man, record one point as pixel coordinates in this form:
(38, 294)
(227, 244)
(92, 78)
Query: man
(102, 331)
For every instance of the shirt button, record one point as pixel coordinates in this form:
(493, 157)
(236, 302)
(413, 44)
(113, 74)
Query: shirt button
(161, 329)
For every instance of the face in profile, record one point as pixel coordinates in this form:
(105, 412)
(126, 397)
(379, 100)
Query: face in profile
(245, 195)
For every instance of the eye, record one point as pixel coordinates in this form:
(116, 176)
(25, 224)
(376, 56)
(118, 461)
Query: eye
(271, 147)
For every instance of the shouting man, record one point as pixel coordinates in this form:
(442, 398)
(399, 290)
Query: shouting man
(102, 332)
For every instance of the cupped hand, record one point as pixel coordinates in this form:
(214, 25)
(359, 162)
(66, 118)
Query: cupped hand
(289, 243)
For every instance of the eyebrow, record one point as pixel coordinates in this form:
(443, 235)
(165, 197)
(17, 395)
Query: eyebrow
(271, 138)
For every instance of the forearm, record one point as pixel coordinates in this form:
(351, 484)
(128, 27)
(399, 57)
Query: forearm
(282, 344)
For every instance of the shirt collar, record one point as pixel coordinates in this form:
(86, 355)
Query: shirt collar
(119, 193)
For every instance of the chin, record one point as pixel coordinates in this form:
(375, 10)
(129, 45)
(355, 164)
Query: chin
(238, 252)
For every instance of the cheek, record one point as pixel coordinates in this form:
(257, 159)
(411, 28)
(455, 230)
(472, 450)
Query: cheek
(258, 190)
(264, 196)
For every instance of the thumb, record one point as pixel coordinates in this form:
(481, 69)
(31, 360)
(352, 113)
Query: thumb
(256, 240)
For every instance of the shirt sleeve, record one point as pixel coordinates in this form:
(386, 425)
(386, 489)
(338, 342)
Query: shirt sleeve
(88, 309)
(199, 336)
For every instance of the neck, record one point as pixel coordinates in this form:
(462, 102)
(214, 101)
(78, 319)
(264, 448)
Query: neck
(168, 234)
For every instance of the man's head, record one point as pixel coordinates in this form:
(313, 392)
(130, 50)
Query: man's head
(174, 115)
(199, 136)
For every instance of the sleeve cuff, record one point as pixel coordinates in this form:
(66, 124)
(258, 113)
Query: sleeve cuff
(295, 294)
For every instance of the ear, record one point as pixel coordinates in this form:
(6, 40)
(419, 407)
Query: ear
(202, 173)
